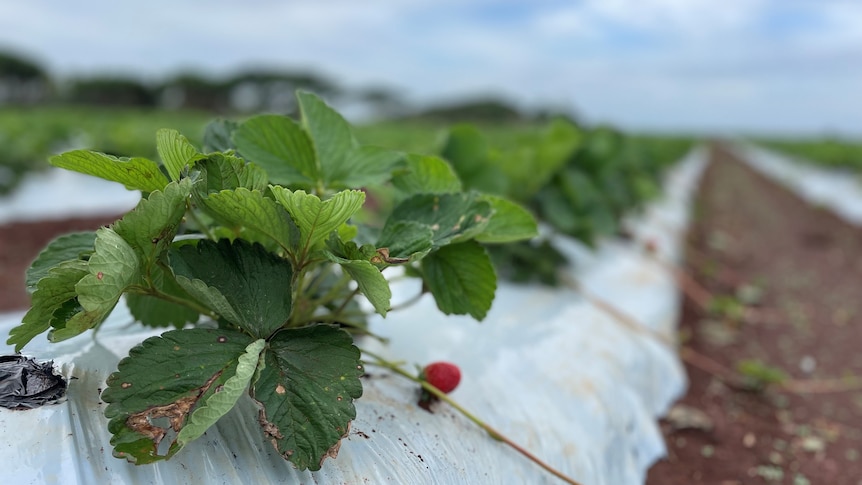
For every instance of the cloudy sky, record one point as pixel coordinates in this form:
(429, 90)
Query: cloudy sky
(753, 65)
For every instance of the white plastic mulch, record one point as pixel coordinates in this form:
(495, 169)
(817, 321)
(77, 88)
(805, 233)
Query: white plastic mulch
(56, 194)
(546, 368)
(838, 190)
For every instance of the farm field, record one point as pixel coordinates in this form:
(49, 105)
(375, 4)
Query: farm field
(795, 273)
(762, 255)
(431, 243)
(832, 153)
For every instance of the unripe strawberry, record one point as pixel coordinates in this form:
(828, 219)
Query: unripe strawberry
(442, 375)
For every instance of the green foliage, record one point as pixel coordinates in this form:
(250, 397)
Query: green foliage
(828, 152)
(307, 385)
(166, 378)
(243, 283)
(579, 182)
(70, 247)
(267, 239)
(462, 279)
(134, 173)
(273, 231)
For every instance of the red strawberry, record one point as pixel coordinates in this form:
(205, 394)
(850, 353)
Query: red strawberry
(651, 246)
(442, 375)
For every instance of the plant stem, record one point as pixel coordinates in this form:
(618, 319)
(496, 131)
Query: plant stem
(493, 433)
(152, 291)
(203, 227)
(346, 301)
(405, 304)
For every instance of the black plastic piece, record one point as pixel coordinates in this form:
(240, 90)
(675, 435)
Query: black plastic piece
(27, 384)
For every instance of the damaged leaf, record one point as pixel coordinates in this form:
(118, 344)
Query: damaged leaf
(307, 390)
(167, 378)
(450, 218)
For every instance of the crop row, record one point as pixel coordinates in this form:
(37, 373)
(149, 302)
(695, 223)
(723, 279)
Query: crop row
(828, 152)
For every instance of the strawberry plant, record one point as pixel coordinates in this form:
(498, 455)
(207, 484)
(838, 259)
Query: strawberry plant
(256, 250)
(579, 182)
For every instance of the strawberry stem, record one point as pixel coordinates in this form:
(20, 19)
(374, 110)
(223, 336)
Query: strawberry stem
(493, 433)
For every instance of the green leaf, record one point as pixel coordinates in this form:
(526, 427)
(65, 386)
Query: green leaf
(52, 291)
(451, 217)
(371, 281)
(317, 219)
(150, 228)
(307, 390)
(426, 175)
(461, 278)
(157, 312)
(407, 239)
(320, 152)
(208, 412)
(329, 133)
(134, 173)
(509, 222)
(363, 166)
(242, 282)
(535, 161)
(217, 136)
(175, 151)
(112, 268)
(225, 172)
(280, 146)
(249, 208)
(165, 379)
(466, 149)
(69, 247)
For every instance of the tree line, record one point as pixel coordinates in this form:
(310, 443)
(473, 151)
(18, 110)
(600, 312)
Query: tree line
(25, 82)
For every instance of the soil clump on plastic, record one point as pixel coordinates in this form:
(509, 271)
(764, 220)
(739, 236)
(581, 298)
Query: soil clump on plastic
(21, 242)
(786, 280)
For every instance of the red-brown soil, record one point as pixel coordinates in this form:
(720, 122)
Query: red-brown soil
(806, 322)
(20, 243)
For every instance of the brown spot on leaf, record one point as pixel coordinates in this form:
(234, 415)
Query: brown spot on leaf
(126, 385)
(333, 451)
(100, 275)
(222, 339)
(176, 347)
(270, 430)
(176, 412)
(279, 389)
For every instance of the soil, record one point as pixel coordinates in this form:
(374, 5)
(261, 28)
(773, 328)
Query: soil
(20, 243)
(797, 269)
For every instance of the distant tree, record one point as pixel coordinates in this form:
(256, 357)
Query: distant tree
(262, 90)
(384, 102)
(22, 81)
(492, 110)
(110, 91)
(195, 91)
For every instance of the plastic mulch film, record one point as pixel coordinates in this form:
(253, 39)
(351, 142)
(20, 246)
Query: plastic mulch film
(838, 190)
(557, 375)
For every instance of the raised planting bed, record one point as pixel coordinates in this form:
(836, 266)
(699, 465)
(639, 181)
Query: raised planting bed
(556, 370)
